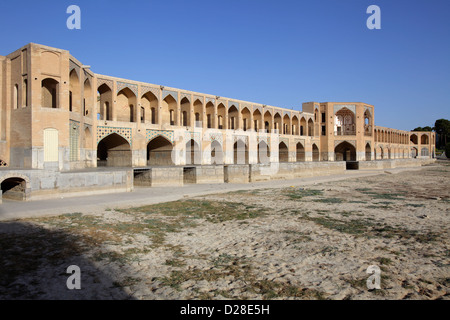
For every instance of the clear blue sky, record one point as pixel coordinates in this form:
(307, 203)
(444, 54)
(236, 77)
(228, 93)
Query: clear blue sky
(279, 53)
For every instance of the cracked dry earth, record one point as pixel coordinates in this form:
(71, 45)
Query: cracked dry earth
(312, 242)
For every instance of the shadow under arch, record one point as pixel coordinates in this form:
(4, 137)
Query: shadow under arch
(345, 151)
(159, 152)
(114, 151)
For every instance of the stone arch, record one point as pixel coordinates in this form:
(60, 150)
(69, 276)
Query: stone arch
(367, 122)
(233, 116)
(198, 113)
(209, 108)
(286, 125)
(149, 102)
(216, 153)
(257, 120)
(414, 152)
(246, 118)
(295, 125)
(424, 139)
(300, 152)
(169, 110)
(283, 152)
(50, 93)
(278, 122)
(315, 153)
(104, 98)
(15, 186)
(88, 138)
(345, 122)
(240, 152)
(185, 106)
(221, 116)
(268, 121)
(310, 128)
(424, 152)
(159, 152)
(368, 152)
(126, 105)
(263, 153)
(87, 99)
(303, 127)
(345, 151)
(114, 151)
(193, 152)
(16, 97)
(74, 92)
(413, 138)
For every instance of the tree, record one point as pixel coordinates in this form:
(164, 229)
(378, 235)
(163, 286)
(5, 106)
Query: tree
(427, 128)
(442, 128)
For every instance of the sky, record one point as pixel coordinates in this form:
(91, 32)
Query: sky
(280, 53)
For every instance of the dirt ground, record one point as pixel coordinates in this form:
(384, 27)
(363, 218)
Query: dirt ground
(314, 242)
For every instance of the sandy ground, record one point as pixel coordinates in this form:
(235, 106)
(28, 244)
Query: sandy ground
(313, 242)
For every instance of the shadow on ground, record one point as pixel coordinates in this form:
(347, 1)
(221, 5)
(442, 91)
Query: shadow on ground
(34, 262)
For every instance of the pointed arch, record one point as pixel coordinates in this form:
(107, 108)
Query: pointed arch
(216, 153)
(169, 110)
(49, 93)
(233, 116)
(149, 103)
(268, 120)
(240, 152)
(74, 92)
(159, 152)
(315, 153)
(210, 123)
(283, 152)
(198, 113)
(87, 98)
(221, 116)
(263, 153)
(368, 152)
(246, 118)
(114, 151)
(345, 151)
(126, 105)
(104, 98)
(300, 152)
(257, 120)
(193, 152)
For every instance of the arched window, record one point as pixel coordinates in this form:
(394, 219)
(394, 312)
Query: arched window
(16, 96)
(142, 114)
(25, 93)
(49, 93)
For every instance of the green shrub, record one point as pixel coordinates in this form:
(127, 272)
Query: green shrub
(447, 149)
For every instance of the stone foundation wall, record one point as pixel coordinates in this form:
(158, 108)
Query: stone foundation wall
(394, 163)
(210, 174)
(236, 173)
(45, 184)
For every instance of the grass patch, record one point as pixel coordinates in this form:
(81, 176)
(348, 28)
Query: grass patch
(238, 269)
(211, 211)
(360, 227)
(299, 193)
(329, 200)
(383, 195)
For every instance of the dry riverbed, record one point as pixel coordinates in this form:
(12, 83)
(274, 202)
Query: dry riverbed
(314, 242)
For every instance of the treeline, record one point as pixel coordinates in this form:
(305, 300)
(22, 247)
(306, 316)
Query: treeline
(442, 129)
